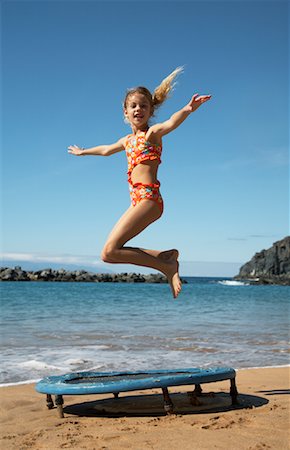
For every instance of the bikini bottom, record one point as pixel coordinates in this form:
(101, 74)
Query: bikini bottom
(141, 191)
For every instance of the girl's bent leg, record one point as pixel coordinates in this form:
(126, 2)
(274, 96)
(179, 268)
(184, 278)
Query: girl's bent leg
(163, 254)
(131, 224)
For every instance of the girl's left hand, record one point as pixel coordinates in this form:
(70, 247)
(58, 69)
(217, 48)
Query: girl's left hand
(197, 100)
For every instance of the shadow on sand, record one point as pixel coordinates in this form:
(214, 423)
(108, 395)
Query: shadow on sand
(152, 405)
(276, 392)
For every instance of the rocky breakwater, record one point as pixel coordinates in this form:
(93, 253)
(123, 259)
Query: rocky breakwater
(271, 266)
(18, 274)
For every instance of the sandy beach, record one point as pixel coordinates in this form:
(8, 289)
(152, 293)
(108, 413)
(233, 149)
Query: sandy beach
(137, 420)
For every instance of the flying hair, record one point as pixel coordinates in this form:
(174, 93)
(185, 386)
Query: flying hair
(160, 94)
(166, 86)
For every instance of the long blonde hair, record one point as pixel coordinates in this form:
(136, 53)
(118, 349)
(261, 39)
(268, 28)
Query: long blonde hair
(160, 94)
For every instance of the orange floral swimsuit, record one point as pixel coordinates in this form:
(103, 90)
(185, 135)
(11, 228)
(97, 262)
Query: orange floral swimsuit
(137, 151)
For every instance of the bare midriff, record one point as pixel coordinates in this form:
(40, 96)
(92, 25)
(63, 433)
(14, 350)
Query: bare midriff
(145, 172)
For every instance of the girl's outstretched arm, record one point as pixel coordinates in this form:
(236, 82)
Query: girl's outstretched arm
(177, 118)
(101, 150)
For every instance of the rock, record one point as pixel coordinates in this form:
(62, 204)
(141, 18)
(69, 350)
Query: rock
(32, 276)
(271, 266)
(45, 274)
(8, 274)
(62, 275)
(155, 278)
(21, 275)
(16, 274)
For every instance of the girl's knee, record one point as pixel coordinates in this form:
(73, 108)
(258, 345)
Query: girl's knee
(109, 253)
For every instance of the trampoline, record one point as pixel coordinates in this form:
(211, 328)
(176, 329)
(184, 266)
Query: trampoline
(84, 383)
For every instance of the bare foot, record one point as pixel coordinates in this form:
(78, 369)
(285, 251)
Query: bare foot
(172, 273)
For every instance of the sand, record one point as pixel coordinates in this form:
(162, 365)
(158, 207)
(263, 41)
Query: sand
(137, 420)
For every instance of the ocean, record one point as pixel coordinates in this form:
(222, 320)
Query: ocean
(55, 328)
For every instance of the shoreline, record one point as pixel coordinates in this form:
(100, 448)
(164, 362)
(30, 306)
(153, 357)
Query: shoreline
(36, 380)
(260, 422)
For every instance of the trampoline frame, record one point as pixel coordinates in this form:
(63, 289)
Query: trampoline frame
(63, 385)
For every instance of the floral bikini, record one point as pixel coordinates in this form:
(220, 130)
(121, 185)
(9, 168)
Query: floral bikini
(137, 151)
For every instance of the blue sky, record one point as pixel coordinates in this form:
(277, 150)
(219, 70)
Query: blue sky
(224, 173)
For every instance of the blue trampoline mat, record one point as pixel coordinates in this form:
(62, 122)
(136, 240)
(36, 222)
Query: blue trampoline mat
(82, 383)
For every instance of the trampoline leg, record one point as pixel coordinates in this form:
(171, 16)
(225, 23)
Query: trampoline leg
(116, 394)
(168, 405)
(49, 401)
(59, 403)
(197, 390)
(234, 391)
(194, 394)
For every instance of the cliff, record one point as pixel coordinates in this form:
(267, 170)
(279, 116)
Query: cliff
(271, 266)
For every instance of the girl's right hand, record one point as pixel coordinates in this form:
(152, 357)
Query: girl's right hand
(75, 150)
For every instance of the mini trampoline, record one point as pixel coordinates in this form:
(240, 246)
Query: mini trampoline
(84, 383)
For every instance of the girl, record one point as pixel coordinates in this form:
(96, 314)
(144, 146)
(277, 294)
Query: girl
(143, 149)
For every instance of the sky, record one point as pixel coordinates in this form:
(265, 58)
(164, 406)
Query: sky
(66, 66)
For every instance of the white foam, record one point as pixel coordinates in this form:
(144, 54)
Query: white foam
(36, 365)
(18, 383)
(74, 362)
(282, 366)
(121, 369)
(233, 283)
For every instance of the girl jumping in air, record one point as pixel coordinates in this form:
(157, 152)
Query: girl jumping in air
(143, 149)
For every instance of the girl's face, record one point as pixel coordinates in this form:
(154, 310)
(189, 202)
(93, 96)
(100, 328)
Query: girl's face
(138, 110)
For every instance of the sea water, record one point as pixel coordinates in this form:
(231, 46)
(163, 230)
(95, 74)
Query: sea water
(55, 328)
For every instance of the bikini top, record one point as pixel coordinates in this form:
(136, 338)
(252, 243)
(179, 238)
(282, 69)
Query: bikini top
(138, 150)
